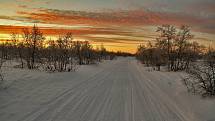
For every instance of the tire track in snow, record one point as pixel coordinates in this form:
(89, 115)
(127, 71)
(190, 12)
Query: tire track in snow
(120, 91)
(165, 104)
(33, 115)
(100, 76)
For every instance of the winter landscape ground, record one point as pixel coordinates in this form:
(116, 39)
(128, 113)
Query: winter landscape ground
(117, 90)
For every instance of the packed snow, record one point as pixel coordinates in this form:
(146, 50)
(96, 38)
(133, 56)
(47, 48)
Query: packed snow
(117, 90)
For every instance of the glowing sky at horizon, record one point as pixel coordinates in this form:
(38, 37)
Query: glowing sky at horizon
(118, 24)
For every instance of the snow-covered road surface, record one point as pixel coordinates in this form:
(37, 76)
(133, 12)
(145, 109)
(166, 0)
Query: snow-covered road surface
(119, 90)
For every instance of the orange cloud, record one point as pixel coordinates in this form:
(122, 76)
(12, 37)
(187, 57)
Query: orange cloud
(58, 31)
(132, 17)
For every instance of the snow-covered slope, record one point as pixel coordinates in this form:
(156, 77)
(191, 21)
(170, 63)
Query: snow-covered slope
(119, 90)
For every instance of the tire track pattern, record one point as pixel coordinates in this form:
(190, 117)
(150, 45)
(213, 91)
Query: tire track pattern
(120, 92)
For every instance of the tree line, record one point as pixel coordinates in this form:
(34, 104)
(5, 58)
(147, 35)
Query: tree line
(174, 49)
(33, 50)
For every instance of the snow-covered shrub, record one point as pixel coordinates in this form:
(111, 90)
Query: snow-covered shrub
(1, 75)
(202, 76)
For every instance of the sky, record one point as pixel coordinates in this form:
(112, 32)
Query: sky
(117, 24)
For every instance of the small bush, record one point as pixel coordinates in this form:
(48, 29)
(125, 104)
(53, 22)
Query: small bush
(202, 76)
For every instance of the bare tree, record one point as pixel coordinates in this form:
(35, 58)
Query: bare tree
(18, 48)
(172, 47)
(1, 75)
(77, 50)
(167, 35)
(182, 49)
(151, 55)
(33, 40)
(59, 54)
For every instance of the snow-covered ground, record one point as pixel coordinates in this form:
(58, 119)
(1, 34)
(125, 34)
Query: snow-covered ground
(118, 90)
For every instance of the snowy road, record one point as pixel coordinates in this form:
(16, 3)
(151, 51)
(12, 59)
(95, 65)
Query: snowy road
(117, 91)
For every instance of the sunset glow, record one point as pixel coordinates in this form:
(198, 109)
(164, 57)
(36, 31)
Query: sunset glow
(118, 24)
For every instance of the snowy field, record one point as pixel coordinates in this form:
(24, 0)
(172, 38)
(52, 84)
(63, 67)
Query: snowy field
(118, 90)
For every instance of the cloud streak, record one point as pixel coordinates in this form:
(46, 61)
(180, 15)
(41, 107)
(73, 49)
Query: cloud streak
(118, 27)
(114, 17)
(132, 18)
